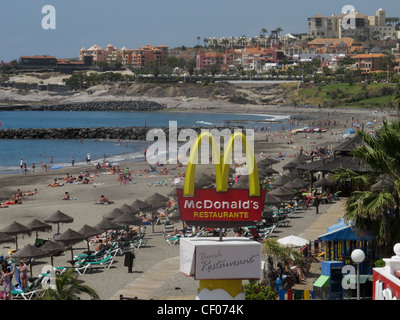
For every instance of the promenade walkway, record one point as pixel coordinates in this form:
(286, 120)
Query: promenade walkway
(145, 286)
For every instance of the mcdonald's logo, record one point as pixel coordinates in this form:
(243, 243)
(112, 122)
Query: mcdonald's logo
(221, 204)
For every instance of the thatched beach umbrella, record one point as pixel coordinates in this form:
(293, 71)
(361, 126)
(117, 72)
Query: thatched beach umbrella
(14, 229)
(125, 208)
(272, 200)
(266, 162)
(59, 217)
(4, 238)
(268, 171)
(106, 225)
(128, 219)
(88, 232)
(323, 182)
(156, 197)
(283, 192)
(37, 225)
(383, 184)
(69, 238)
(141, 205)
(290, 165)
(280, 181)
(296, 184)
(115, 213)
(53, 249)
(29, 252)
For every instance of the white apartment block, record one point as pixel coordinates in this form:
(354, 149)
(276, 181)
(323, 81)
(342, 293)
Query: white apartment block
(353, 25)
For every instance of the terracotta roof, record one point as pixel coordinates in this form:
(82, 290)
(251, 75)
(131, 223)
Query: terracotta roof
(323, 41)
(38, 57)
(363, 56)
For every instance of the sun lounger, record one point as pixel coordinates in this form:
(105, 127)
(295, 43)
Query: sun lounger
(78, 267)
(105, 263)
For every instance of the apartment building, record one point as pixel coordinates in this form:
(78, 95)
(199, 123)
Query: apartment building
(352, 24)
(368, 62)
(138, 57)
(146, 54)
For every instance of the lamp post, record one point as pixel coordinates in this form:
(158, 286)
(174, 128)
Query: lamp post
(358, 256)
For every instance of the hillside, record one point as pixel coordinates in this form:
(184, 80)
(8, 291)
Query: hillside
(374, 95)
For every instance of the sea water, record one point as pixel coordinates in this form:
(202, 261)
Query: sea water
(62, 151)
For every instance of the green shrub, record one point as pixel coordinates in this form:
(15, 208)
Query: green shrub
(259, 291)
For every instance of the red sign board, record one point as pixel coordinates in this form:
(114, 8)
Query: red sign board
(234, 205)
(384, 288)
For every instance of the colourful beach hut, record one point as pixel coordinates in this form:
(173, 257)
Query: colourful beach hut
(342, 238)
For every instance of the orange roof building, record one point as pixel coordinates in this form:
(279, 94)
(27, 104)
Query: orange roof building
(368, 62)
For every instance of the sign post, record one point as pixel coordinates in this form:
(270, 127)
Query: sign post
(221, 264)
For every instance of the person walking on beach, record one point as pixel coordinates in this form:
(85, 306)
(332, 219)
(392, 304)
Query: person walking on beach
(21, 165)
(73, 161)
(33, 167)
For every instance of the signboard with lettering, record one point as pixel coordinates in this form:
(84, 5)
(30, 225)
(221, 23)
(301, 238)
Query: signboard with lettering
(211, 259)
(209, 207)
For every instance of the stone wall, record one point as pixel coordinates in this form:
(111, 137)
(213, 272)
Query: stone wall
(124, 133)
(92, 106)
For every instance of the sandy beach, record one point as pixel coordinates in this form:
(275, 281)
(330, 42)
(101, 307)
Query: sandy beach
(107, 282)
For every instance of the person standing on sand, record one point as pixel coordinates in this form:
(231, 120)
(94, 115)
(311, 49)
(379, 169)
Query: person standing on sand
(73, 161)
(21, 165)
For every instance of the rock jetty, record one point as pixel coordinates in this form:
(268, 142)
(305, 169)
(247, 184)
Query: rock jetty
(124, 133)
(91, 106)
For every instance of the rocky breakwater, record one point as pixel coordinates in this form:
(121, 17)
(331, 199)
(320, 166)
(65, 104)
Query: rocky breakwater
(124, 133)
(91, 106)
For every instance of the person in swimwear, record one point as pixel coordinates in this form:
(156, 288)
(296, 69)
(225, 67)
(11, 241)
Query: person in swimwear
(66, 197)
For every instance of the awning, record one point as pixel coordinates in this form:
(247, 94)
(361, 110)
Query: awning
(342, 231)
(322, 282)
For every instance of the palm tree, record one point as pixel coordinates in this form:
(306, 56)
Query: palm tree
(277, 254)
(263, 32)
(377, 212)
(68, 287)
(198, 40)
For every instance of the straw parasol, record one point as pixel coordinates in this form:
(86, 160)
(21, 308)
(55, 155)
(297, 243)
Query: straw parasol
(37, 225)
(141, 205)
(383, 184)
(283, 192)
(88, 232)
(115, 213)
(156, 197)
(130, 209)
(59, 217)
(106, 225)
(296, 184)
(4, 237)
(272, 200)
(69, 238)
(266, 162)
(29, 252)
(53, 249)
(128, 219)
(323, 182)
(280, 181)
(14, 229)
(268, 171)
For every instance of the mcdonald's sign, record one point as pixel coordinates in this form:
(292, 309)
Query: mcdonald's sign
(221, 206)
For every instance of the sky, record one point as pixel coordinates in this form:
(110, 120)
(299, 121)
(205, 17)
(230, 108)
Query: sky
(134, 23)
